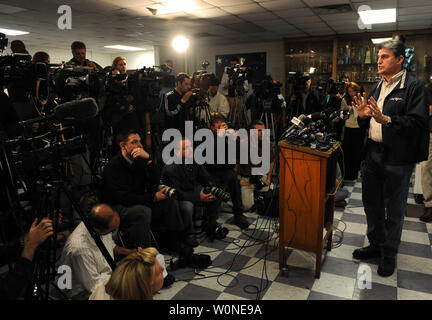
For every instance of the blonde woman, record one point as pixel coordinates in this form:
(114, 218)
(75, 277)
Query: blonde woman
(353, 134)
(137, 277)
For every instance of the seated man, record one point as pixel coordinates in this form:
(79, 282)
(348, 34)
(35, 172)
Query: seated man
(129, 184)
(224, 173)
(189, 180)
(81, 253)
(246, 170)
(250, 182)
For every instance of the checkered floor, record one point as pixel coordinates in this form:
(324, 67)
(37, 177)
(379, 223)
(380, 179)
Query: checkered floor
(246, 264)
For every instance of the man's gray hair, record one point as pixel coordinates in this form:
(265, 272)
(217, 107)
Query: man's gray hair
(397, 45)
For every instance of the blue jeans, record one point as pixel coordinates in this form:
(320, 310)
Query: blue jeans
(384, 192)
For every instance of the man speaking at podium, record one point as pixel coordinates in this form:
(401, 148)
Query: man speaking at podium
(395, 115)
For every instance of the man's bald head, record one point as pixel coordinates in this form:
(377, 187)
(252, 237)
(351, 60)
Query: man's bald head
(104, 218)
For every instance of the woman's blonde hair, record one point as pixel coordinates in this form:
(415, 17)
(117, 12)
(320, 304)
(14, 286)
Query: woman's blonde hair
(116, 60)
(134, 276)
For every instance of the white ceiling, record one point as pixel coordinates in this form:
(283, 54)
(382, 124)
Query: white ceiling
(129, 22)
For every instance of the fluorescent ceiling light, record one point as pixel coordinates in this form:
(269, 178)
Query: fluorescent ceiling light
(180, 44)
(172, 6)
(125, 48)
(10, 32)
(380, 40)
(378, 16)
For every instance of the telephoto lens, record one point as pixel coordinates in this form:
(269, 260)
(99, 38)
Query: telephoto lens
(218, 193)
(169, 191)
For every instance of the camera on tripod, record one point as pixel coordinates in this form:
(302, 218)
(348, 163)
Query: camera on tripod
(72, 82)
(298, 81)
(19, 69)
(238, 75)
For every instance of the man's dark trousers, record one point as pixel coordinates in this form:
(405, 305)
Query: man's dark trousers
(385, 192)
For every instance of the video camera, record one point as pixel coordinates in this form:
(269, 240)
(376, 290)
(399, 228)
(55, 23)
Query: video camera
(237, 76)
(73, 82)
(18, 68)
(298, 81)
(331, 86)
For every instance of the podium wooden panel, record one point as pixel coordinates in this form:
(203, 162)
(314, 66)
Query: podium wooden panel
(306, 206)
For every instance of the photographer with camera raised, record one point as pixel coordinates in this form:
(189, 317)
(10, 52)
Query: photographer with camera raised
(191, 180)
(79, 52)
(224, 173)
(177, 103)
(118, 111)
(130, 185)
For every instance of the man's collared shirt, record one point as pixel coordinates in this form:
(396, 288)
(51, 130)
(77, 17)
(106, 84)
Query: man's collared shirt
(375, 129)
(88, 265)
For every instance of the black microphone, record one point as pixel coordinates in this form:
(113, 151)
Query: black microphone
(75, 110)
(297, 123)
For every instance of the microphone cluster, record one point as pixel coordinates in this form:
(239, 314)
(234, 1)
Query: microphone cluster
(315, 130)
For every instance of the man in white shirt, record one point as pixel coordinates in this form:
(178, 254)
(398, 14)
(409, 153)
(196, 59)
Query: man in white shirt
(82, 255)
(218, 103)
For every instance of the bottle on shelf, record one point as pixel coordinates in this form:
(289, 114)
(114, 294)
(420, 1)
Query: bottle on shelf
(368, 56)
(347, 54)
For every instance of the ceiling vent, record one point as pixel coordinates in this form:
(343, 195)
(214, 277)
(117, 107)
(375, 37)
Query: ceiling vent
(332, 9)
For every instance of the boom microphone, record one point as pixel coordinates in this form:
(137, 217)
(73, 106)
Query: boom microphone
(76, 110)
(72, 111)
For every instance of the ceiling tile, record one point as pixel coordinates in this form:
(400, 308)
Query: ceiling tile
(295, 13)
(378, 5)
(319, 3)
(415, 10)
(243, 9)
(223, 3)
(253, 17)
(414, 17)
(411, 3)
(208, 13)
(246, 27)
(303, 20)
(341, 16)
(282, 4)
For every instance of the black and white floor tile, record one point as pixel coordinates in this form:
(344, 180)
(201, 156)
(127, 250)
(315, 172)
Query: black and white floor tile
(246, 264)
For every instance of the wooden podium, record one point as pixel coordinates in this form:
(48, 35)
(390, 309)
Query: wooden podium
(306, 203)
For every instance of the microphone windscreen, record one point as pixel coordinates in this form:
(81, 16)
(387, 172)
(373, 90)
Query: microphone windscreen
(77, 110)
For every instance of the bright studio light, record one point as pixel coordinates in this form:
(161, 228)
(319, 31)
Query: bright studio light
(378, 16)
(10, 32)
(180, 44)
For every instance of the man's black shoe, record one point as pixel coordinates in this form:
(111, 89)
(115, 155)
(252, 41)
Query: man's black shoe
(386, 266)
(168, 280)
(191, 241)
(241, 221)
(427, 215)
(366, 253)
